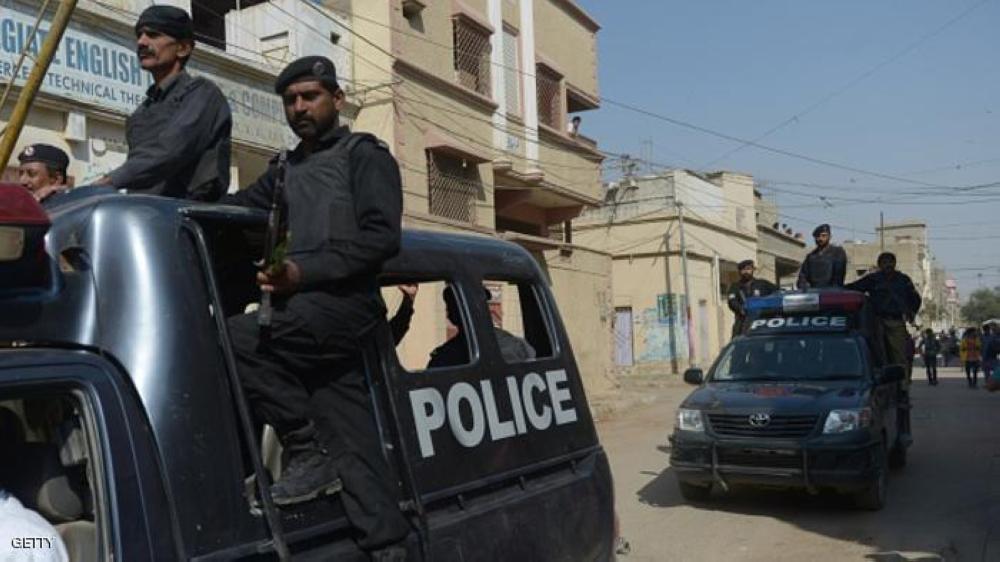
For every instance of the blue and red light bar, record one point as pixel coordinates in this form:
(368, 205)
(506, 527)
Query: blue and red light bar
(825, 301)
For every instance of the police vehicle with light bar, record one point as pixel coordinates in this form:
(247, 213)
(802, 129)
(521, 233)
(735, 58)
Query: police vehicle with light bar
(122, 421)
(804, 399)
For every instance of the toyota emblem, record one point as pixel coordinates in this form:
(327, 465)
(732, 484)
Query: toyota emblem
(759, 419)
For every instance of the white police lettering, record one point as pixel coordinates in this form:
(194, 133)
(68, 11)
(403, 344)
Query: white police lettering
(427, 420)
(472, 436)
(540, 419)
(801, 322)
(559, 397)
(515, 402)
(534, 403)
(498, 429)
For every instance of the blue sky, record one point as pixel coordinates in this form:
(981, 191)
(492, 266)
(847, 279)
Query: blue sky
(903, 88)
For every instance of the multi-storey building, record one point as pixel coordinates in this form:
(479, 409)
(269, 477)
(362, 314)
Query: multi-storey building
(908, 241)
(95, 80)
(675, 240)
(474, 97)
(479, 115)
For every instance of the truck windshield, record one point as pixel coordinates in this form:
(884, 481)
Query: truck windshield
(808, 357)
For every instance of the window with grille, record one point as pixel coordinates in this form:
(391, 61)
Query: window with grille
(472, 55)
(549, 97)
(453, 185)
(511, 73)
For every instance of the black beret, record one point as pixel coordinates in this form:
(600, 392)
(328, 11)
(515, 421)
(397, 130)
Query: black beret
(744, 263)
(821, 228)
(168, 20)
(316, 68)
(46, 154)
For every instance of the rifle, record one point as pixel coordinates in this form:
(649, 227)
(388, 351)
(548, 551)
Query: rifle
(274, 256)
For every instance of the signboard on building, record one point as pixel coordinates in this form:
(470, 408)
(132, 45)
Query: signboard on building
(95, 67)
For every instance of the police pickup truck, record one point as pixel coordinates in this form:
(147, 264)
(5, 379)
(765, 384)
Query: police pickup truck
(122, 421)
(802, 400)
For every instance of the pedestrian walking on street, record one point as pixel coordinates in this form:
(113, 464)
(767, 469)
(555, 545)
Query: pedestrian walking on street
(991, 350)
(970, 352)
(986, 341)
(949, 346)
(746, 287)
(929, 349)
(826, 265)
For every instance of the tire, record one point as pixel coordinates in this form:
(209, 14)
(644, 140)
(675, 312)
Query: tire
(693, 492)
(873, 497)
(897, 457)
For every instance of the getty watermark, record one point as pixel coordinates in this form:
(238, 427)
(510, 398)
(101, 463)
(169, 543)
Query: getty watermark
(32, 543)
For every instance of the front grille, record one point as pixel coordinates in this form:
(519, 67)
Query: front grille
(781, 426)
(760, 458)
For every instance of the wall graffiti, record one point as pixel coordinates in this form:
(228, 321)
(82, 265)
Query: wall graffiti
(661, 333)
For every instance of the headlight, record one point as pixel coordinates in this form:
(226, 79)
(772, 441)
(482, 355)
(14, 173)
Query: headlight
(842, 421)
(690, 420)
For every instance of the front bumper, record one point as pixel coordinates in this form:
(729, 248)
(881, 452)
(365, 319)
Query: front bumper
(829, 462)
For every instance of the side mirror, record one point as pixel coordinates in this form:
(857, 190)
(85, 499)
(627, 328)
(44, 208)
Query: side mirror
(892, 373)
(694, 376)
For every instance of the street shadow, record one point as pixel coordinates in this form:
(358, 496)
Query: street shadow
(662, 491)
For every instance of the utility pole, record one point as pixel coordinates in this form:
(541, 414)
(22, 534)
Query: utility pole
(20, 113)
(881, 231)
(687, 293)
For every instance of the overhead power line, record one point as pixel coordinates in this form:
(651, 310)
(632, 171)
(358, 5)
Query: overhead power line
(853, 82)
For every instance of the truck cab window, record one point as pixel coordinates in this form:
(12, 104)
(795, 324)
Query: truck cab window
(48, 478)
(521, 328)
(428, 323)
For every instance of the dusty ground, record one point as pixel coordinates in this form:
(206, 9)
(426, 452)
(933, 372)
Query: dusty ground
(944, 505)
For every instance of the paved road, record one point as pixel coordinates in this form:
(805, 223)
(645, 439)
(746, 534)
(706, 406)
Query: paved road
(945, 505)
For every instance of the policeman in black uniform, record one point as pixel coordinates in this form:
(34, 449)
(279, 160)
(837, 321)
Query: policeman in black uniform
(455, 351)
(179, 138)
(43, 170)
(343, 199)
(826, 265)
(895, 302)
(746, 287)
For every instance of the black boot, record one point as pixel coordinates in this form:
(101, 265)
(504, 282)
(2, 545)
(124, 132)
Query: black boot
(395, 553)
(309, 473)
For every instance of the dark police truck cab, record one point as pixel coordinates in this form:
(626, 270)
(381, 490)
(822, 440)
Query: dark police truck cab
(123, 423)
(802, 400)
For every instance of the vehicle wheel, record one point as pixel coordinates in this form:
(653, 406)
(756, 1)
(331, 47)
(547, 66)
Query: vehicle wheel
(693, 492)
(897, 457)
(873, 497)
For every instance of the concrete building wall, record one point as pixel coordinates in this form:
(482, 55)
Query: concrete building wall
(530, 179)
(581, 284)
(567, 40)
(640, 227)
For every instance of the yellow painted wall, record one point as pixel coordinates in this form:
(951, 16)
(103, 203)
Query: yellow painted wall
(571, 46)
(581, 285)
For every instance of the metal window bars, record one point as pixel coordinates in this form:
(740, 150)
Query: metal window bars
(549, 97)
(453, 186)
(472, 56)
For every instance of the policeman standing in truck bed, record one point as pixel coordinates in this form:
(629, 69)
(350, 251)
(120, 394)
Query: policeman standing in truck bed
(179, 137)
(343, 196)
(826, 265)
(747, 286)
